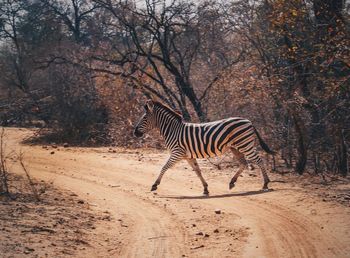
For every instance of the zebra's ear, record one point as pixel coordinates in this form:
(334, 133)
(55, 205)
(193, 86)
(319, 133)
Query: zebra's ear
(149, 105)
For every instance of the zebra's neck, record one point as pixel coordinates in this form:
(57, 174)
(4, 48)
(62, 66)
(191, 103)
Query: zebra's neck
(168, 124)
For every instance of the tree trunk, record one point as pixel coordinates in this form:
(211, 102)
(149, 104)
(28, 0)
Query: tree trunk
(343, 157)
(188, 91)
(301, 148)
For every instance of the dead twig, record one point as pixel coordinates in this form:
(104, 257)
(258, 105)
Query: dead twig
(197, 247)
(31, 183)
(4, 186)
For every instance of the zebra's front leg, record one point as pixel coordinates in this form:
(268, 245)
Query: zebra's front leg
(194, 165)
(173, 159)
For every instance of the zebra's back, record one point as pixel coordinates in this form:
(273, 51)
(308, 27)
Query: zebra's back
(212, 139)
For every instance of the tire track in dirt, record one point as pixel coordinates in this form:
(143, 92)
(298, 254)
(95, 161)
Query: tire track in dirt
(278, 233)
(289, 233)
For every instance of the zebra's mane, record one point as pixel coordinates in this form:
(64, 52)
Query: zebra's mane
(168, 109)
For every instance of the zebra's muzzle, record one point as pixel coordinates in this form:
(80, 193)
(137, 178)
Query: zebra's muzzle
(137, 133)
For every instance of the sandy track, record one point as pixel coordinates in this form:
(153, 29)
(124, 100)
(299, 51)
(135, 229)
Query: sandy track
(282, 223)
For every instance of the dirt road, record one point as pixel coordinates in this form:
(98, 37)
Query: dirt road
(177, 221)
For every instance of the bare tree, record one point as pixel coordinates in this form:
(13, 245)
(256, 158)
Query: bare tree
(163, 42)
(11, 14)
(74, 14)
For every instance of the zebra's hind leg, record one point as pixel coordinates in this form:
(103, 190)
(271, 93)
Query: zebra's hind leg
(257, 160)
(173, 159)
(242, 164)
(195, 166)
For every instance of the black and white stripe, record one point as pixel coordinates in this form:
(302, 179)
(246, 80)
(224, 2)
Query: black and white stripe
(191, 141)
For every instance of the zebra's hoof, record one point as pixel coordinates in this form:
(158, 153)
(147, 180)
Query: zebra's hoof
(206, 193)
(154, 187)
(265, 186)
(265, 189)
(231, 185)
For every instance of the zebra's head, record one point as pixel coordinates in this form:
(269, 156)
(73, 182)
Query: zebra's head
(147, 121)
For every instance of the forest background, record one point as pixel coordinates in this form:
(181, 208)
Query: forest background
(82, 69)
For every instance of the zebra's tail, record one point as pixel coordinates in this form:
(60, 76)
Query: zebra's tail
(263, 145)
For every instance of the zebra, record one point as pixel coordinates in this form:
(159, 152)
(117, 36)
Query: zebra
(193, 141)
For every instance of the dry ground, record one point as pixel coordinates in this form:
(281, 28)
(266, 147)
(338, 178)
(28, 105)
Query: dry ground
(297, 219)
(57, 225)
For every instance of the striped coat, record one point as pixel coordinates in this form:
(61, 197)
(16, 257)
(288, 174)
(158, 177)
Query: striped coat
(212, 139)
